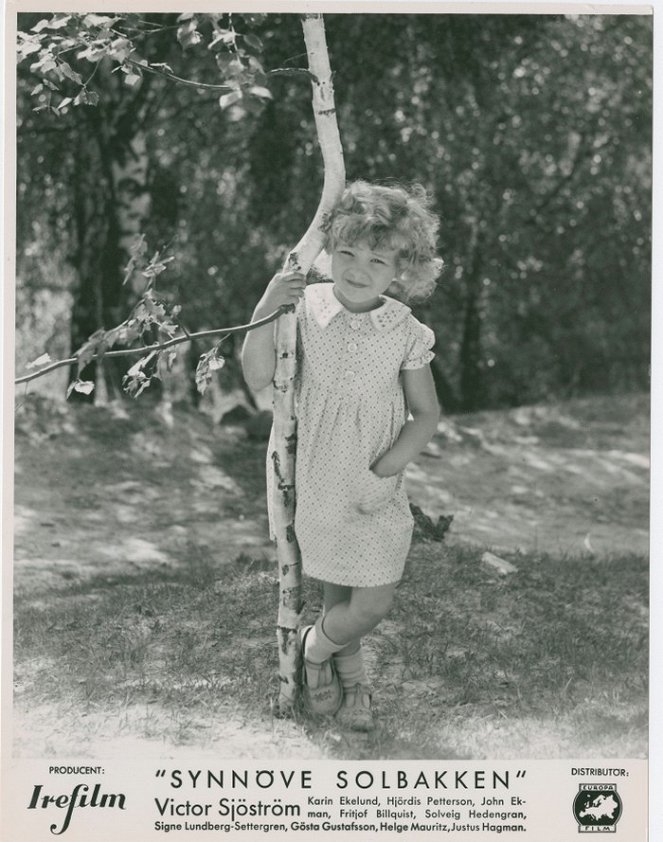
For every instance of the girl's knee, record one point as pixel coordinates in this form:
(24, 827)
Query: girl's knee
(334, 594)
(372, 604)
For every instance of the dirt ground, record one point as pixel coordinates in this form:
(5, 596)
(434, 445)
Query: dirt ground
(116, 490)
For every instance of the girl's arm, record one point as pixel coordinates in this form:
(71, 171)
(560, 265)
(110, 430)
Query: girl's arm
(258, 352)
(421, 398)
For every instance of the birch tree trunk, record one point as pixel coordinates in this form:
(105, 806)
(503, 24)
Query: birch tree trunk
(111, 205)
(285, 423)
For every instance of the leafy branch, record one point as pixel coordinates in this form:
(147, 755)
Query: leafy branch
(126, 352)
(151, 315)
(61, 49)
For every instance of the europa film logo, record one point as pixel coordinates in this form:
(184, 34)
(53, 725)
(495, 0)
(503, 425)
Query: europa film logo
(597, 808)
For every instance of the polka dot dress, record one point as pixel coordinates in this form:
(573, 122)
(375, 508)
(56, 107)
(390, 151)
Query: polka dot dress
(353, 528)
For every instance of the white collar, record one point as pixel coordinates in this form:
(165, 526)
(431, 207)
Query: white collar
(323, 305)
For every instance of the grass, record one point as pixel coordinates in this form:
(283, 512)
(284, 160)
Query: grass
(467, 665)
(145, 601)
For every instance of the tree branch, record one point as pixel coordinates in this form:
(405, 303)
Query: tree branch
(206, 86)
(178, 340)
(192, 83)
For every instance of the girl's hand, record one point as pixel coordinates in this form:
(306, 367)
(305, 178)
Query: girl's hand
(376, 492)
(386, 466)
(285, 289)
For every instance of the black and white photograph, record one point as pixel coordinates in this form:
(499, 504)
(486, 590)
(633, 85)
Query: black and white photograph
(331, 407)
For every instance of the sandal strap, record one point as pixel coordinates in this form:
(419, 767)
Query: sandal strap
(313, 666)
(360, 692)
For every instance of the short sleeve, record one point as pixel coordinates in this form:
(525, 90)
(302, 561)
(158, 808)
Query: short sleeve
(420, 340)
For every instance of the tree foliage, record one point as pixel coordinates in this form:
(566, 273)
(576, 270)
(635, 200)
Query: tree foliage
(532, 132)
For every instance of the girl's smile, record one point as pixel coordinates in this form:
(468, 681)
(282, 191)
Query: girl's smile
(361, 274)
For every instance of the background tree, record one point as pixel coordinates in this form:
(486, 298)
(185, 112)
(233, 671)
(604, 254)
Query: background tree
(117, 156)
(533, 133)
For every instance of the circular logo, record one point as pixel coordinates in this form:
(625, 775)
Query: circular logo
(597, 806)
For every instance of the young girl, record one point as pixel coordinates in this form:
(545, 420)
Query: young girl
(364, 366)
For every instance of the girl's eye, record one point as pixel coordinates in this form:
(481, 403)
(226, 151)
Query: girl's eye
(381, 262)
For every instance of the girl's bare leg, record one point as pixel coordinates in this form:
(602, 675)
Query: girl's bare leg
(335, 595)
(347, 620)
(355, 611)
(349, 614)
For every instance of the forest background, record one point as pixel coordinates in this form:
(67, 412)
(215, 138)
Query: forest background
(533, 134)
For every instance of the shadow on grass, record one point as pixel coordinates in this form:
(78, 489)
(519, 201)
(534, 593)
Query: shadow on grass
(551, 661)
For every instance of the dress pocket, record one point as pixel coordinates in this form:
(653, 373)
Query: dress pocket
(376, 492)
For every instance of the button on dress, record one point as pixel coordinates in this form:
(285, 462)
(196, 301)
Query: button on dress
(353, 527)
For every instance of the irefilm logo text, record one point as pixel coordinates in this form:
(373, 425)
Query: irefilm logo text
(79, 797)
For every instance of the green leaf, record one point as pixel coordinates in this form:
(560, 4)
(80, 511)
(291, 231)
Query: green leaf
(66, 70)
(86, 97)
(188, 34)
(45, 64)
(207, 364)
(156, 266)
(42, 360)
(86, 387)
(226, 100)
(138, 246)
(136, 380)
(256, 66)
(53, 23)
(137, 251)
(94, 345)
(100, 21)
(27, 48)
(136, 385)
(262, 93)
(154, 310)
(120, 49)
(223, 36)
(140, 365)
(169, 329)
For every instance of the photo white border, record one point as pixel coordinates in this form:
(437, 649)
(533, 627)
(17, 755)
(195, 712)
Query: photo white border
(7, 218)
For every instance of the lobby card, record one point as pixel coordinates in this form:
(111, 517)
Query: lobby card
(508, 681)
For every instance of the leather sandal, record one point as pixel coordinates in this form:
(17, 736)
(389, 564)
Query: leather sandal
(326, 698)
(356, 712)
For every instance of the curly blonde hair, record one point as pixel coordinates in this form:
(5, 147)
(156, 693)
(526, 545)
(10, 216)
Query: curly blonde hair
(395, 218)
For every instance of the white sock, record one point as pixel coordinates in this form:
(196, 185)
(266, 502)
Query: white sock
(351, 670)
(319, 647)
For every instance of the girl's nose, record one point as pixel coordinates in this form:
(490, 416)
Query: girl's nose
(356, 273)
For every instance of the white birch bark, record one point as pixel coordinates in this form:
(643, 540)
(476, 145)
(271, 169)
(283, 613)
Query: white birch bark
(285, 423)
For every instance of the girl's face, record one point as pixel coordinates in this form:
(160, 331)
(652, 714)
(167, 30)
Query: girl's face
(362, 273)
